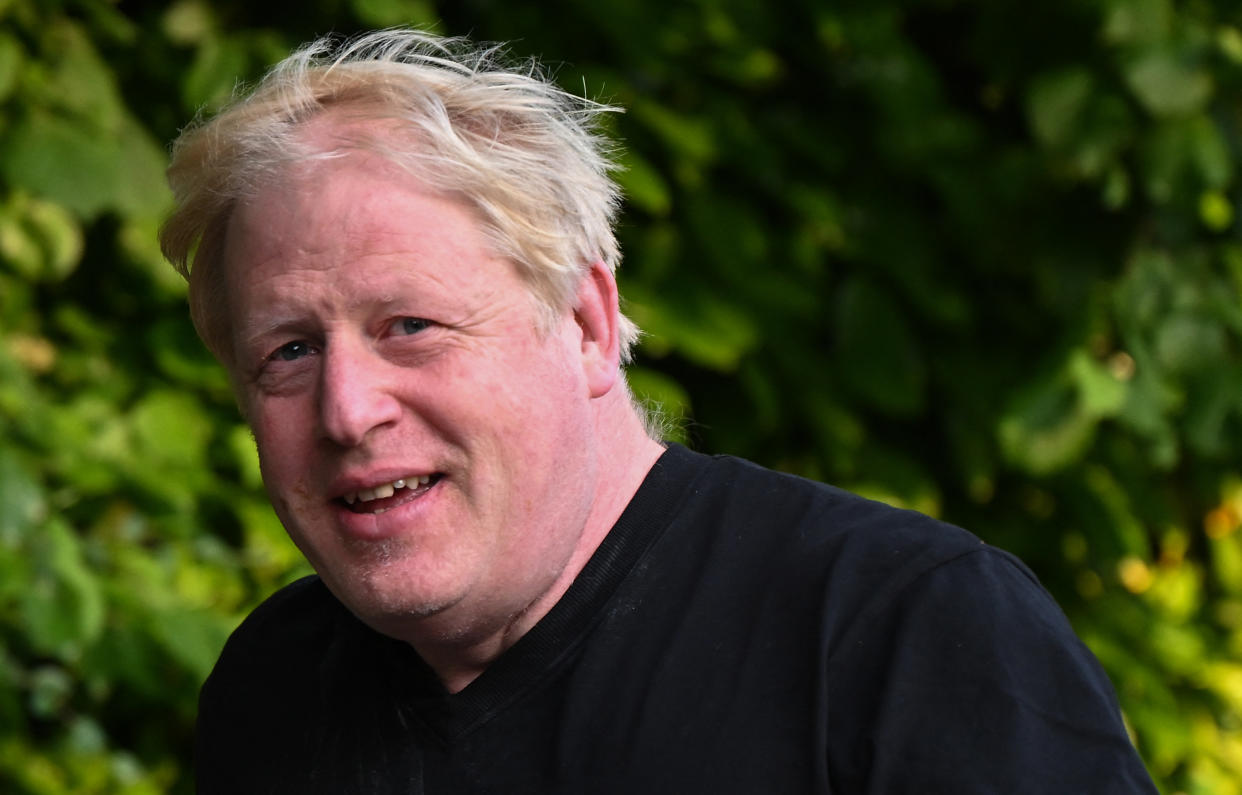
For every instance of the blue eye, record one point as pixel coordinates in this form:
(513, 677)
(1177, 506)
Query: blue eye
(410, 325)
(291, 351)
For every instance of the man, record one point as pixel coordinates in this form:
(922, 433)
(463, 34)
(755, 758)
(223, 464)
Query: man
(403, 255)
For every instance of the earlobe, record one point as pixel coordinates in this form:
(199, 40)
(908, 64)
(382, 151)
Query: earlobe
(597, 314)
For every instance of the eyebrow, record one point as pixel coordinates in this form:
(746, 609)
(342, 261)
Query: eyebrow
(250, 334)
(287, 321)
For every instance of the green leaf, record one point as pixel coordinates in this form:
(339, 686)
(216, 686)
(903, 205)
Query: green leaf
(1106, 133)
(193, 638)
(39, 239)
(88, 444)
(59, 235)
(1226, 560)
(62, 608)
(188, 21)
(1167, 85)
(85, 168)
(22, 501)
(1215, 211)
(1187, 341)
(1149, 402)
(1210, 152)
(75, 81)
(1126, 530)
(1179, 648)
(1137, 21)
(1229, 40)
(19, 248)
(1101, 394)
(171, 431)
(11, 57)
(1045, 429)
(1055, 104)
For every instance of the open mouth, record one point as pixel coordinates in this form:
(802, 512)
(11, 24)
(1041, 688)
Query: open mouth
(389, 495)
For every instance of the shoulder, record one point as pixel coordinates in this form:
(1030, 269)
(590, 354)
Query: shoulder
(831, 559)
(832, 535)
(865, 569)
(817, 510)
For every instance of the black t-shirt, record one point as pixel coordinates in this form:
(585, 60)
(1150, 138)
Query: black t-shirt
(738, 631)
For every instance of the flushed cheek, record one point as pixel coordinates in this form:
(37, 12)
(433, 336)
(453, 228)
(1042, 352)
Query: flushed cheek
(282, 436)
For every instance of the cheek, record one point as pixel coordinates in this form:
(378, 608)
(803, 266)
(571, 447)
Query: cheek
(551, 370)
(515, 387)
(282, 441)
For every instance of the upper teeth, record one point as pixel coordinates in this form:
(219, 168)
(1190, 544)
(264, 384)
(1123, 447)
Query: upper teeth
(386, 489)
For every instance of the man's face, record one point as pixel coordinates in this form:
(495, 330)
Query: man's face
(426, 445)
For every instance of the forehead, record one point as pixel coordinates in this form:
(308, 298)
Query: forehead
(328, 202)
(355, 221)
(337, 159)
(340, 187)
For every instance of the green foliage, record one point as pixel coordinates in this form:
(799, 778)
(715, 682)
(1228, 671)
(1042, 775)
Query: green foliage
(976, 258)
(126, 502)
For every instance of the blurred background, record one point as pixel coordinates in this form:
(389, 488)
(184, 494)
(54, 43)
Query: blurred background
(981, 258)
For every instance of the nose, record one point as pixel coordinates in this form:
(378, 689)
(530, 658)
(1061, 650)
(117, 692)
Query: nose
(356, 394)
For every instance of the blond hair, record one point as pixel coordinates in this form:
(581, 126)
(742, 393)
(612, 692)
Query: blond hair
(526, 156)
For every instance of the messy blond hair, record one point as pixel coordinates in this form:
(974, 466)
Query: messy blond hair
(525, 155)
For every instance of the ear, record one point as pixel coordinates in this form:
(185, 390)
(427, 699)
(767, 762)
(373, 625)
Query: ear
(597, 313)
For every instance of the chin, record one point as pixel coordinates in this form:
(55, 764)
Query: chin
(391, 597)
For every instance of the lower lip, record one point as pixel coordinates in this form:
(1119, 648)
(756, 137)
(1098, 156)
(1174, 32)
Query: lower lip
(392, 521)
